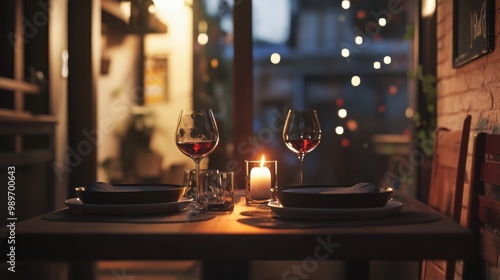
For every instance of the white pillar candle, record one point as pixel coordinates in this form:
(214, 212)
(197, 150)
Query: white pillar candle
(260, 183)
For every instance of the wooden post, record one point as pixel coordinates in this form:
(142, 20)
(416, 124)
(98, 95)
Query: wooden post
(242, 85)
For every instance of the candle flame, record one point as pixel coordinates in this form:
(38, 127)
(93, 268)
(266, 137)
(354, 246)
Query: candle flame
(262, 161)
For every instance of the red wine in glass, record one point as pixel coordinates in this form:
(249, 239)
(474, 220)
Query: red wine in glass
(197, 136)
(197, 149)
(302, 145)
(301, 134)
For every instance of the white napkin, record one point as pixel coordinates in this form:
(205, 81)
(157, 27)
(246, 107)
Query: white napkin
(358, 188)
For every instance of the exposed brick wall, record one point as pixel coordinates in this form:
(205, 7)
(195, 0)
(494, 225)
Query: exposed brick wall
(473, 88)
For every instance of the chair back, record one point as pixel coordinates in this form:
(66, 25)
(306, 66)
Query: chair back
(447, 186)
(484, 207)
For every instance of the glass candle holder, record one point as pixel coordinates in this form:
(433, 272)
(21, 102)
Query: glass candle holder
(261, 177)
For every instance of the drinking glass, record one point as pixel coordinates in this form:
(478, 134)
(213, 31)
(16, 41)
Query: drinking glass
(197, 136)
(301, 134)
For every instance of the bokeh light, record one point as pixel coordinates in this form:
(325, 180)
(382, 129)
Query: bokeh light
(409, 113)
(355, 81)
(352, 125)
(275, 58)
(345, 52)
(202, 39)
(340, 102)
(339, 130)
(358, 40)
(342, 113)
(345, 142)
(346, 4)
(393, 90)
(214, 63)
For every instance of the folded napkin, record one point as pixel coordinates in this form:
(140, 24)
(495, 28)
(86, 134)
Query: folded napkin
(358, 188)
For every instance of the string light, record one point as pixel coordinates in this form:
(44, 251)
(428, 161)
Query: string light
(355, 81)
(376, 65)
(275, 58)
(339, 130)
(345, 52)
(342, 113)
(346, 4)
(359, 40)
(387, 60)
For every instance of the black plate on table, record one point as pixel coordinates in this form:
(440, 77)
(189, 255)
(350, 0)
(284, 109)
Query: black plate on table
(325, 196)
(132, 194)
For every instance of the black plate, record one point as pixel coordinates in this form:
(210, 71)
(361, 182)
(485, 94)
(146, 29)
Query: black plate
(132, 194)
(295, 196)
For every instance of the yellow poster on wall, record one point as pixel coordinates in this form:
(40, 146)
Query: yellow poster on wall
(155, 80)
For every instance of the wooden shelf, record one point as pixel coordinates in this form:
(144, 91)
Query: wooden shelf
(8, 117)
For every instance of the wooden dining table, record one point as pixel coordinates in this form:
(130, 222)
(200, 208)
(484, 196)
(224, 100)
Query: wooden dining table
(245, 234)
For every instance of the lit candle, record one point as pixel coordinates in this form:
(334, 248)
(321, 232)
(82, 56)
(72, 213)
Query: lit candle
(260, 182)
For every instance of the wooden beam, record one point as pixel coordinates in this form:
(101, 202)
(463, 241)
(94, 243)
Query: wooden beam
(84, 31)
(19, 57)
(242, 85)
(19, 86)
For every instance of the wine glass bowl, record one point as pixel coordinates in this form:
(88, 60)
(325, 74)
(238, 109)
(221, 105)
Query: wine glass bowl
(197, 136)
(301, 134)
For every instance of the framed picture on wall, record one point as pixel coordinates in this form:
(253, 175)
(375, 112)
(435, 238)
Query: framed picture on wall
(473, 30)
(155, 79)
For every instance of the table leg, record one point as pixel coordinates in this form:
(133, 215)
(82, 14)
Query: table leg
(358, 270)
(222, 270)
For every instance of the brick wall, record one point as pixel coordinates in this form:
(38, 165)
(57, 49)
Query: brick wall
(473, 88)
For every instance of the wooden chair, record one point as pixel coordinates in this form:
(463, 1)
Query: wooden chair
(446, 187)
(484, 207)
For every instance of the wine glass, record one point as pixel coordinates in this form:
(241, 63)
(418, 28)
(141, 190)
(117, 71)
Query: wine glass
(301, 134)
(197, 136)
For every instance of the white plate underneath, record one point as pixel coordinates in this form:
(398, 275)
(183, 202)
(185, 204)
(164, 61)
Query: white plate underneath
(390, 209)
(76, 204)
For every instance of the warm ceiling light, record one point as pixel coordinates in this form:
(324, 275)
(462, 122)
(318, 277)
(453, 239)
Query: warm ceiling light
(428, 8)
(152, 9)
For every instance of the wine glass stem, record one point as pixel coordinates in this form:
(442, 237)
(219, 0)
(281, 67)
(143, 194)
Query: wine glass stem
(199, 188)
(301, 171)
